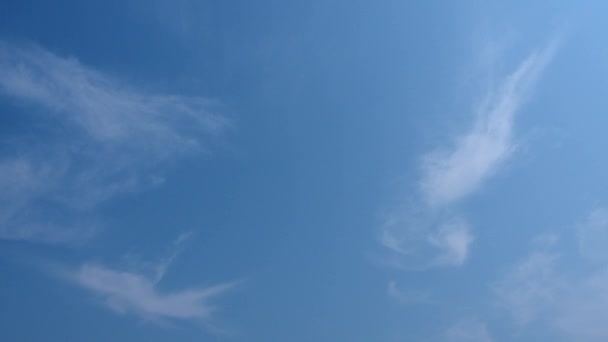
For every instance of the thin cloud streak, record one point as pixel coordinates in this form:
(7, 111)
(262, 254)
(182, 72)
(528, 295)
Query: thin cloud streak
(452, 175)
(136, 291)
(452, 241)
(531, 288)
(444, 242)
(95, 137)
(538, 291)
(127, 292)
(431, 235)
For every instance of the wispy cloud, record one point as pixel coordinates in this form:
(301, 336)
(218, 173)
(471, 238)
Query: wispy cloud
(126, 292)
(452, 240)
(89, 137)
(440, 243)
(137, 292)
(452, 174)
(543, 291)
(431, 235)
(531, 288)
(537, 293)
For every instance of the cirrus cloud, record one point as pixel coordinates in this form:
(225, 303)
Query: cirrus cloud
(88, 136)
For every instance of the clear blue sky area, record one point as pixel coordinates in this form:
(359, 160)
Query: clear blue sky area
(303, 171)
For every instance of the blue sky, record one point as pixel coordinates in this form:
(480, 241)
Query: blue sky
(303, 171)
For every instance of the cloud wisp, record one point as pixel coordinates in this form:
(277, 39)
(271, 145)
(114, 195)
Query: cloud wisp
(85, 137)
(427, 243)
(432, 235)
(126, 292)
(531, 288)
(451, 175)
(569, 304)
(137, 293)
(538, 294)
(452, 241)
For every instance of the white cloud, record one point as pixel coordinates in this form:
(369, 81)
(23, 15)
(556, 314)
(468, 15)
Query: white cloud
(101, 107)
(530, 289)
(431, 236)
(422, 244)
(582, 310)
(453, 174)
(453, 241)
(126, 292)
(568, 304)
(94, 137)
(137, 292)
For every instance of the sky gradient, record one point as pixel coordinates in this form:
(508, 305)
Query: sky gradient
(303, 171)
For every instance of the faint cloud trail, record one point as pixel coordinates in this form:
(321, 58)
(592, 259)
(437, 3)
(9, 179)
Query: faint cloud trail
(94, 137)
(429, 234)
